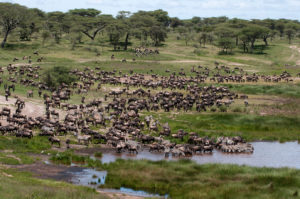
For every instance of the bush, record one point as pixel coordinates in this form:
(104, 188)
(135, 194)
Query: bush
(57, 75)
(98, 154)
(225, 53)
(195, 46)
(223, 108)
(237, 110)
(199, 52)
(213, 109)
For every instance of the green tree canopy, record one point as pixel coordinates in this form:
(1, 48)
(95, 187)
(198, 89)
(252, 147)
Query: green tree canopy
(11, 16)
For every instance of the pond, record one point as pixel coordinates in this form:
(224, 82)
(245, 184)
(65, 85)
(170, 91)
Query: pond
(266, 154)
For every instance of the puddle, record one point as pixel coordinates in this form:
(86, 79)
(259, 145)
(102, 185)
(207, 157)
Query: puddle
(89, 177)
(92, 178)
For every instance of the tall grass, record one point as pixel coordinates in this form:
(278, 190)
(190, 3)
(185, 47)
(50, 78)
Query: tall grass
(186, 179)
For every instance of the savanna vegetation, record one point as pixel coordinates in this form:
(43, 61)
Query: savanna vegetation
(87, 39)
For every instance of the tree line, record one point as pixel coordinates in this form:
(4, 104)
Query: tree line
(149, 27)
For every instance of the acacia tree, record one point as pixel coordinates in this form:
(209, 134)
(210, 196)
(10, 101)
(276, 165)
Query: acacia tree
(245, 42)
(226, 37)
(202, 38)
(158, 35)
(55, 25)
(115, 32)
(226, 44)
(280, 27)
(187, 36)
(123, 17)
(252, 33)
(11, 15)
(290, 33)
(89, 21)
(31, 24)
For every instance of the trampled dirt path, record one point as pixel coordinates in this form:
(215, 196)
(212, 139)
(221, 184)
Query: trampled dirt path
(32, 109)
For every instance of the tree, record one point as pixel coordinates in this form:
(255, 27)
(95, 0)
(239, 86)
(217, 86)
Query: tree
(45, 36)
(245, 42)
(161, 17)
(290, 33)
(291, 29)
(123, 17)
(115, 31)
(56, 25)
(252, 33)
(266, 33)
(185, 34)
(141, 24)
(158, 35)
(226, 44)
(175, 22)
(196, 20)
(89, 21)
(280, 27)
(31, 24)
(11, 15)
(202, 38)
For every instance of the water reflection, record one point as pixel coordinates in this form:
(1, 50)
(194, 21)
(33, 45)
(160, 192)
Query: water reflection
(266, 154)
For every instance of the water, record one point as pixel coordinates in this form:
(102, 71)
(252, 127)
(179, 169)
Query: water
(132, 192)
(93, 178)
(266, 154)
(89, 177)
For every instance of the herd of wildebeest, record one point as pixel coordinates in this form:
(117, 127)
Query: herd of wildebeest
(122, 116)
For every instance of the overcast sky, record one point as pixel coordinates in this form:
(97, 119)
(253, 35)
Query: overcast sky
(184, 9)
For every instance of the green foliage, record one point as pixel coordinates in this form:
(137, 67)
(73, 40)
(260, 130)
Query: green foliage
(98, 154)
(158, 35)
(57, 75)
(186, 179)
(69, 157)
(226, 44)
(249, 126)
(289, 90)
(223, 108)
(90, 23)
(23, 145)
(45, 36)
(253, 32)
(11, 15)
(237, 110)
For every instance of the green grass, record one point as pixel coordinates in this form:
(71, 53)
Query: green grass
(23, 186)
(24, 145)
(250, 126)
(186, 179)
(281, 89)
(16, 158)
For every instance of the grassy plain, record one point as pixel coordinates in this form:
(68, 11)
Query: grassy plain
(273, 114)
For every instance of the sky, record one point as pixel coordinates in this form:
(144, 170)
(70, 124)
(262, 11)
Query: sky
(183, 9)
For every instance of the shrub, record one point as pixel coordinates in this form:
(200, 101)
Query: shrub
(213, 109)
(57, 75)
(237, 110)
(98, 154)
(223, 108)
